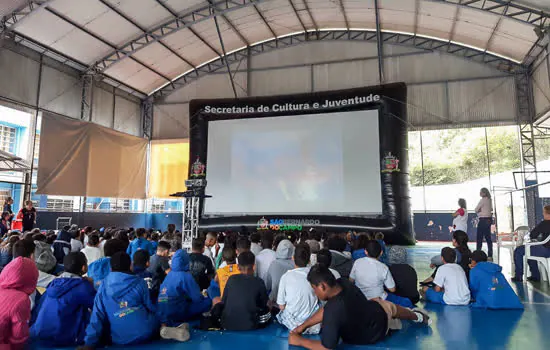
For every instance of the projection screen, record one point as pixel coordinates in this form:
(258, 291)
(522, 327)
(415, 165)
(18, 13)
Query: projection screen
(323, 164)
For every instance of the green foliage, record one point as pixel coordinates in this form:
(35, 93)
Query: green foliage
(460, 155)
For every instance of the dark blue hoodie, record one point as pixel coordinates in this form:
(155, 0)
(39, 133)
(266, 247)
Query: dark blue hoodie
(490, 289)
(123, 312)
(61, 246)
(64, 312)
(180, 297)
(98, 270)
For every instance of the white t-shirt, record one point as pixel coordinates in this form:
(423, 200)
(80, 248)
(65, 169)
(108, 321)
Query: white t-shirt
(255, 248)
(452, 279)
(76, 245)
(460, 222)
(370, 275)
(296, 294)
(208, 253)
(92, 254)
(263, 261)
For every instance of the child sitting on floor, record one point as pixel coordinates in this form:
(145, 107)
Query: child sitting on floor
(159, 266)
(200, 265)
(92, 251)
(296, 299)
(65, 308)
(180, 298)
(231, 268)
(371, 276)
(17, 283)
(244, 301)
(348, 315)
(488, 286)
(451, 285)
(99, 269)
(123, 312)
(404, 275)
(140, 263)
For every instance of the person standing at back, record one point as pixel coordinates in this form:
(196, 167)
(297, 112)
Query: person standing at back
(7, 208)
(460, 217)
(28, 214)
(484, 211)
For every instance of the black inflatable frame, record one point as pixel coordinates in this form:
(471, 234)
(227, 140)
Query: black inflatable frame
(389, 99)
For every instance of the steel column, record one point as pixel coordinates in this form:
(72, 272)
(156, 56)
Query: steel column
(147, 118)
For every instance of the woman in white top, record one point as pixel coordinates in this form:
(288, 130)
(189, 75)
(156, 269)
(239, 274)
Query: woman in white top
(460, 221)
(484, 211)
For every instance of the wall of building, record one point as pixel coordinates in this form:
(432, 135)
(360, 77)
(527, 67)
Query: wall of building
(444, 90)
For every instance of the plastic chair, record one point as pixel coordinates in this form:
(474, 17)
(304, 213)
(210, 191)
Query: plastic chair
(512, 243)
(542, 262)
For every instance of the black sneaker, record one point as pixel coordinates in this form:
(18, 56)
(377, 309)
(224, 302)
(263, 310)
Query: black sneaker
(517, 279)
(531, 279)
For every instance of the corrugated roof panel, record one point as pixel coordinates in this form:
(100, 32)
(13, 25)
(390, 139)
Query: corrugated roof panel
(360, 13)
(162, 60)
(541, 88)
(81, 46)
(474, 27)
(248, 23)
(8, 6)
(517, 29)
(280, 16)
(426, 105)
(207, 30)
(34, 27)
(189, 46)
(146, 13)
(302, 12)
(435, 19)
(509, 46)
(184, 6)
(80, 11)
(327, 14)
(145, 80)
(124, 69)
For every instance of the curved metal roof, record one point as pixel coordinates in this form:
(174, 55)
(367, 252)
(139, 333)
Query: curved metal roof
(154, 44)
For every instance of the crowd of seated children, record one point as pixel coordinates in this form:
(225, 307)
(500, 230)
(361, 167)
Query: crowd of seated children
(462, 253)
(450, 282)
(539, 233)
(348, 315)
(200, 265)
(100, 269)
(372, 277)
(180, 297)
(123, 312)
(64, 310)
(295, 299)
(92, 251)
(244, 304)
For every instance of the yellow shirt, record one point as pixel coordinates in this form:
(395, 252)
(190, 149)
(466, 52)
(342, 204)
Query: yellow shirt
(224, 273)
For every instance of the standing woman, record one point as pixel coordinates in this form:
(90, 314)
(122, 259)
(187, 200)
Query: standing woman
(460, 217)
(7, 207)
(484, 211)
(28, 216)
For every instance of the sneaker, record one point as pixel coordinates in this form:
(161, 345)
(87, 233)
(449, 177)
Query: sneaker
(426, 320)
(180, 333)
(531, 279)
(517, 279)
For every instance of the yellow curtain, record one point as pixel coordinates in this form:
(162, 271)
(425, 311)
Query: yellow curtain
(169, 167)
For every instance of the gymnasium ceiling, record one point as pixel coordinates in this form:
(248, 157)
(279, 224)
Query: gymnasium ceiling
(149, 44)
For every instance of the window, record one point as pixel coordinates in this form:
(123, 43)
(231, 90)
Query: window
(7, 139)
(59, 204)
(165, 206)
(4, 193)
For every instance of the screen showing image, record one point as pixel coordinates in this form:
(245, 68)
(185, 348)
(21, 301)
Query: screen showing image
(326, 164)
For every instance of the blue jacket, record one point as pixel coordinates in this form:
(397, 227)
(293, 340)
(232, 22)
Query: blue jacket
(140, 243)
(142, 272)
(64, 312)
(490, 289)
(98, 270)
(178, 292)
(123, 312)
(358, 254)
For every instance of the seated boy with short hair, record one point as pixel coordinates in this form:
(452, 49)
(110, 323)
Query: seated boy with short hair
(295, 298)
(200, 265)
(64, 311)
(229, 256)
(489, 286)
(159, 266)
(371, 276)
(180, 298)
(348, 315)
(451, 285)
(123, 312)
(244, 301)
